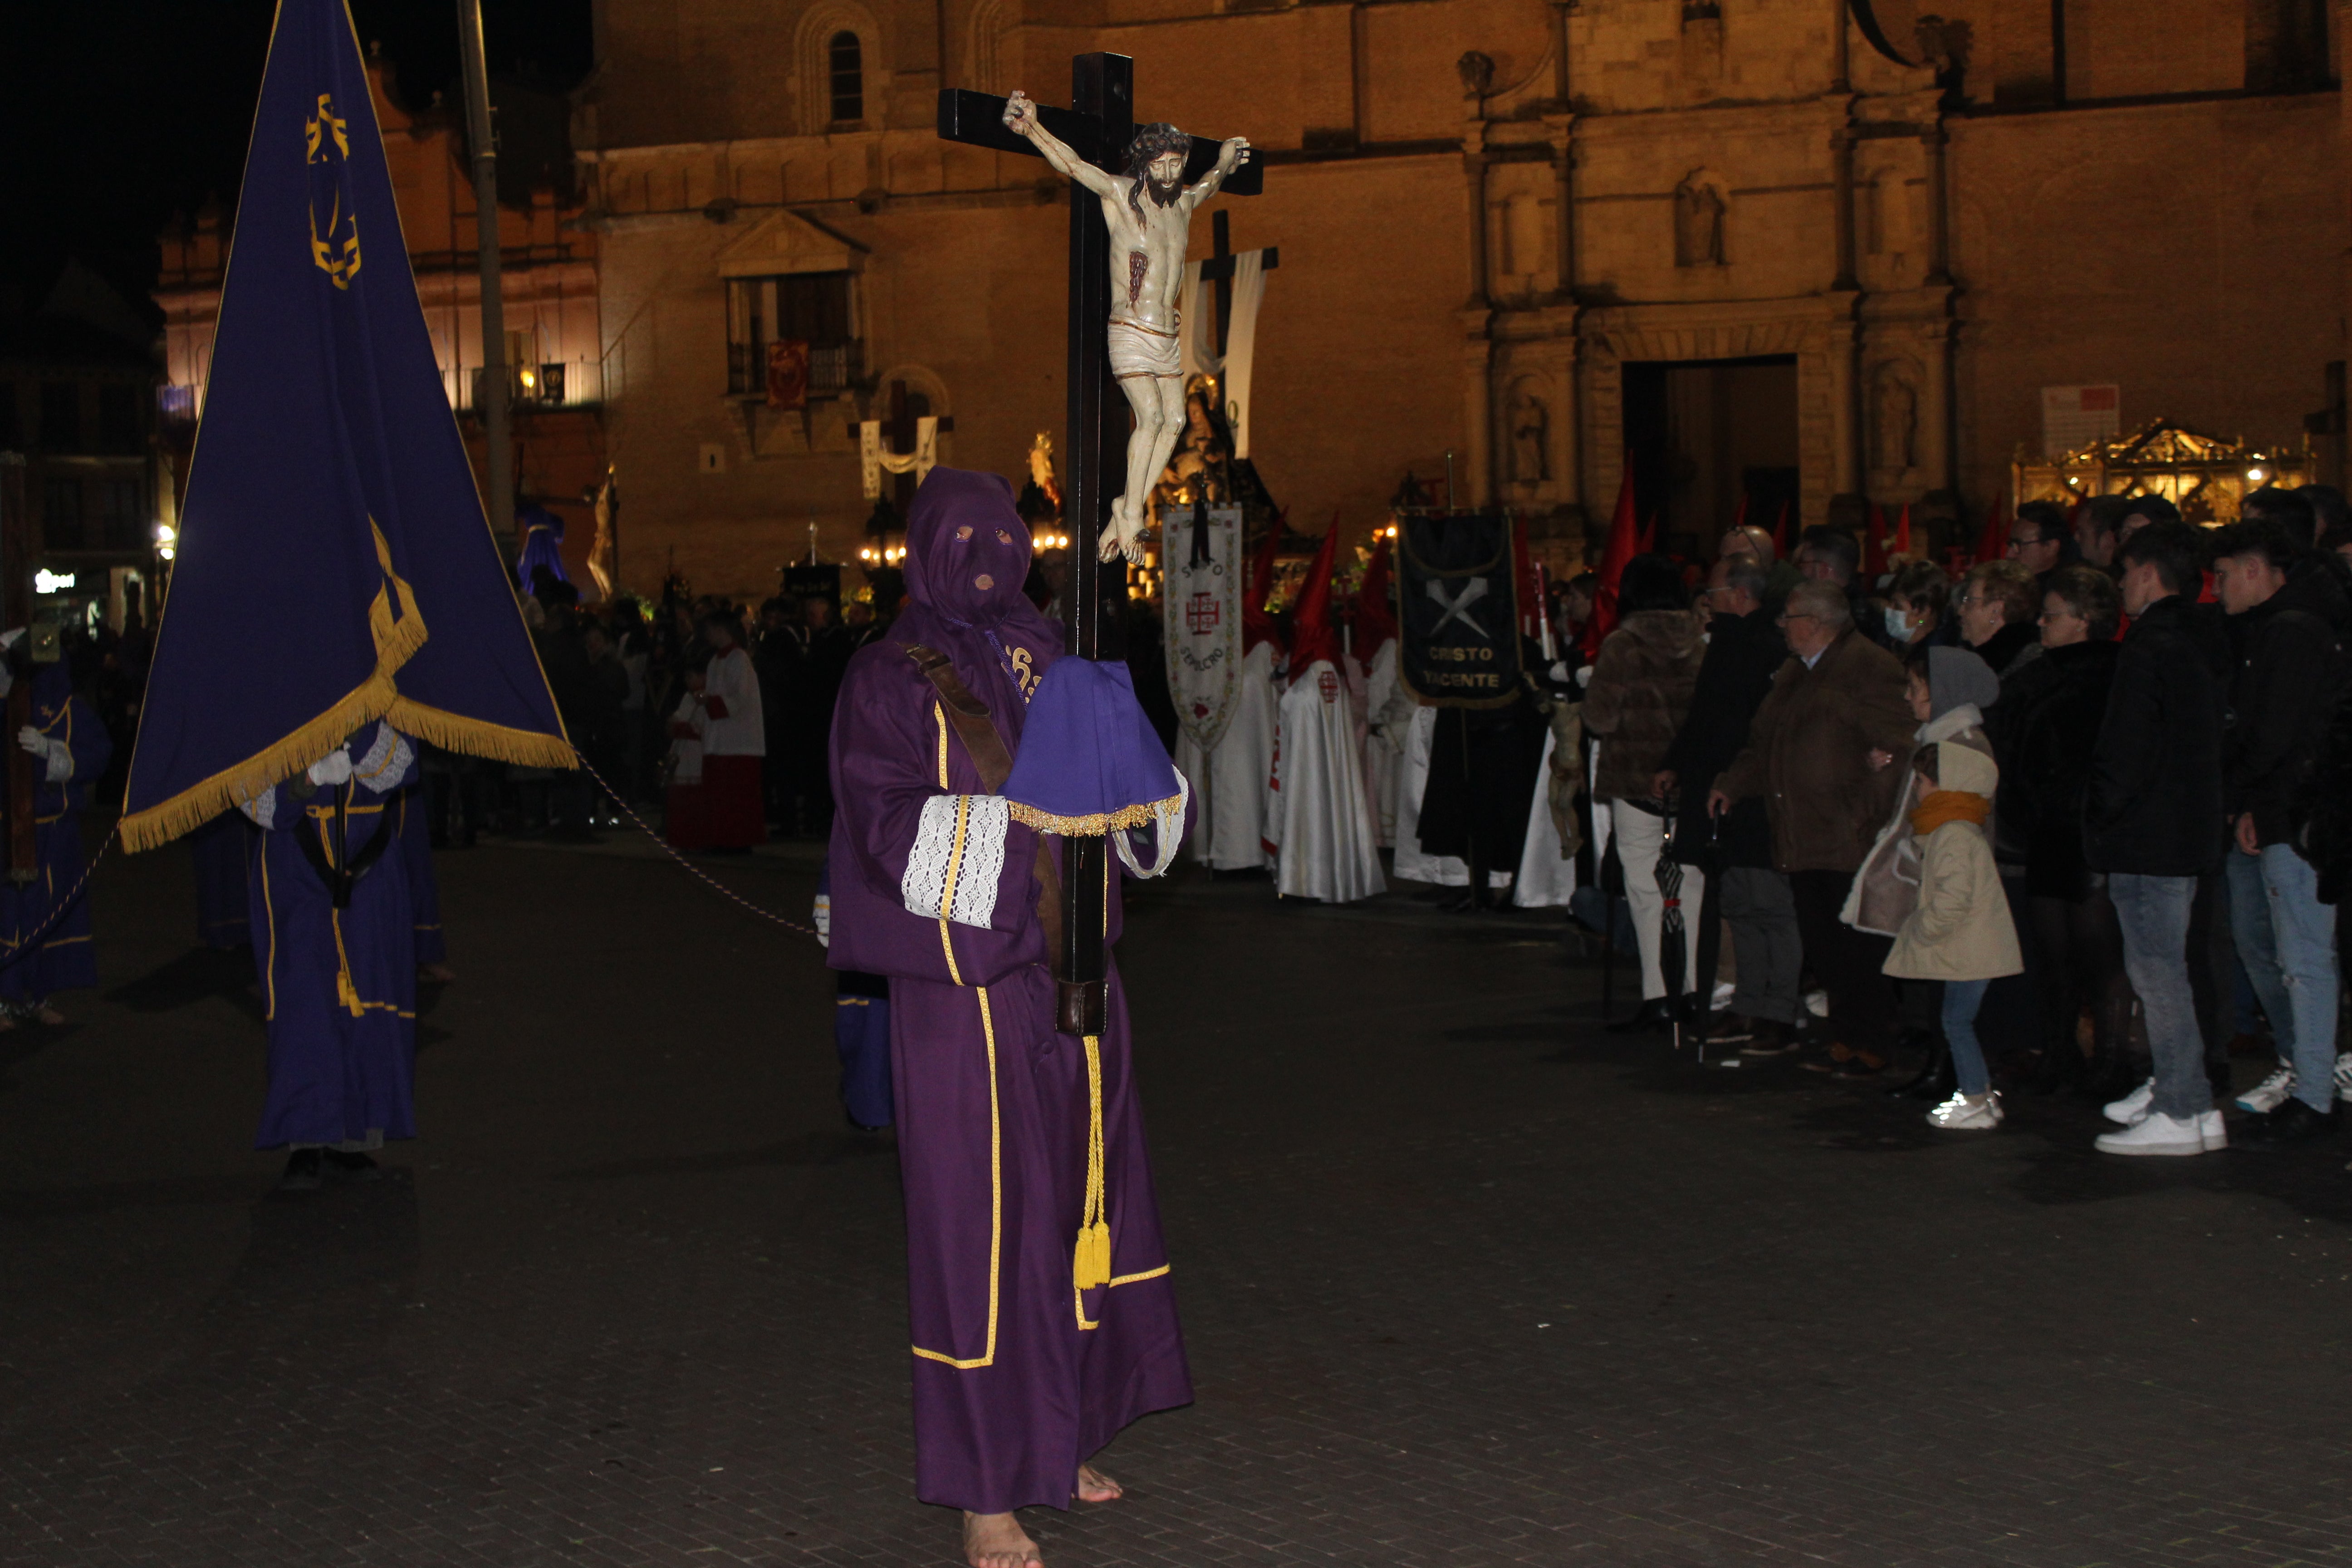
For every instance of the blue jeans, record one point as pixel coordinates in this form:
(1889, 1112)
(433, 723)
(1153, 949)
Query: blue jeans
(1961, 999)
(2154, 914)
(2286, 939)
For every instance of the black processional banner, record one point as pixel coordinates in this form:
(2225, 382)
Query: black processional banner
(1458, 605)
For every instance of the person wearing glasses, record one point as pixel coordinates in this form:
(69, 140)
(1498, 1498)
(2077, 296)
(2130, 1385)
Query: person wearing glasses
(1837, 699)
(1996, 607)
(2041, 539)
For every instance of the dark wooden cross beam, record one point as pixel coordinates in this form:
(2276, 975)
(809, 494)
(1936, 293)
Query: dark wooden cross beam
(1097, 127)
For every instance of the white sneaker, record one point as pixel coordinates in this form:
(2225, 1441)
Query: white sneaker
(1968, 1113)
(2343, 1075)
(2132, 1109)
(2158, 1134)
(1817, 1003)
(2270, 1093)
(2212, 1132)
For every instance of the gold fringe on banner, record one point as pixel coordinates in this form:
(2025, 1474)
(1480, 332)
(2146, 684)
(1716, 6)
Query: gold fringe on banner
(1095, 826)
(396, 639)
(480, 738)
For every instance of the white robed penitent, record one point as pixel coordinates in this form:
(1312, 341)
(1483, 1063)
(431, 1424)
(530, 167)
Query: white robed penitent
(1229, 793)
(1321, 820)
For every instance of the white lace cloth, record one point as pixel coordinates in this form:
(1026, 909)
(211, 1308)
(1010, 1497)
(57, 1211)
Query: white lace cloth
(957, 859)
(379, 771)
(1168, 831)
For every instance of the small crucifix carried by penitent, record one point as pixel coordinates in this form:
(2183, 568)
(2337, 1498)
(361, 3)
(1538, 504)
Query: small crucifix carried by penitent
(1134, 191)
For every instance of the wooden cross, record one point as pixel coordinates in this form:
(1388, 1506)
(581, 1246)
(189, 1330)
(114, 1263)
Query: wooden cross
(1096, 127)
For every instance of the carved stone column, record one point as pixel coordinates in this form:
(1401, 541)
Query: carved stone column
(1932, 140)
(1478, 413)
(1845, 411)
(1562, 129)
(1570, 424)
(1935, 408)
(1842, 181)
(1475, 159)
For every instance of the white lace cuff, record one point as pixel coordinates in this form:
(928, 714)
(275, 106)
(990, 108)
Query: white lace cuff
(61, 760)
(957, 859)
(386, 762)
(262, 808)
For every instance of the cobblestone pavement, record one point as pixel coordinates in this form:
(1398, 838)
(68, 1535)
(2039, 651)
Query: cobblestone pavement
(636, 1297)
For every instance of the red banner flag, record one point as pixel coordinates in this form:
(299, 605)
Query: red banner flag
(1625, 543)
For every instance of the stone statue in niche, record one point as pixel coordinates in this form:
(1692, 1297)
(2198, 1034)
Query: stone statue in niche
(1530, 428)
(1477, 72)
(1698, 224)
(1896, 424)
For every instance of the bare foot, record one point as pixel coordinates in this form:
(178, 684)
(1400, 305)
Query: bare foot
(48, 1015)
(1096, 1487)
(440, 971)
(997, 1541)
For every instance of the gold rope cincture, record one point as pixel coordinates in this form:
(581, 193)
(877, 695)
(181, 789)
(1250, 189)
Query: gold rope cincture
(1090, 1264)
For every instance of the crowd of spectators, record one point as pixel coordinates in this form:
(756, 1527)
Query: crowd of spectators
(2073, 817)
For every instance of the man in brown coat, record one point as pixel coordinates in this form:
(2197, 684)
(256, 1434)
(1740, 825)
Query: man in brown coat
(1838, 698)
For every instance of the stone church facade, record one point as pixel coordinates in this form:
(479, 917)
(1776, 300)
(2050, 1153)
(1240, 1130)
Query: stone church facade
(1825, 251)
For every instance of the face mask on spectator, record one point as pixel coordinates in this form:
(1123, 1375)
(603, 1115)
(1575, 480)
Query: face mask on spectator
(1898, 624)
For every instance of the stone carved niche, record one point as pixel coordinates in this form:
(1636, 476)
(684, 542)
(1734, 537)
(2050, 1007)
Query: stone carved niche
(1895, 419)
(1700, 212)
(1528, 422)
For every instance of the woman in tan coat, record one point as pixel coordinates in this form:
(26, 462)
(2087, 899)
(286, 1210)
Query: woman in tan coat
(1640, 692)
(1961, 932)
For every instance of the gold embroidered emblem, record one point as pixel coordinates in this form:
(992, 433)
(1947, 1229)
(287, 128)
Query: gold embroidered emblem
(328, 150)
(1024, 673)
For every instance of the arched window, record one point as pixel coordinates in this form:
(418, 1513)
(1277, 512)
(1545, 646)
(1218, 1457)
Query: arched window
(845, 64)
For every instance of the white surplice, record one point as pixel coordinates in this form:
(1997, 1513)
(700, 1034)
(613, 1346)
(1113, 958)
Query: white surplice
(1322, 819)
(1229, 793)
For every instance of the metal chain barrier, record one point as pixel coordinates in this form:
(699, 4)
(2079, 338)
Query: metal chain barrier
(28, 946)
(671, 850)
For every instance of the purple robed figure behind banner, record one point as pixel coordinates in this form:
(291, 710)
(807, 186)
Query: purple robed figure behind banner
(73, 752)
(1019, 1376)
(337, 985)
(222, 850)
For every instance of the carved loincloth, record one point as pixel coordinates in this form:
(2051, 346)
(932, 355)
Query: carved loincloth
(1139, 350)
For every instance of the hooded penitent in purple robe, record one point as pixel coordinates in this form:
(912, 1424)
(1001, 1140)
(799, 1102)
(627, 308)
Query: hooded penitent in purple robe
(75, 751)
(338, 985)
(1019, 1375)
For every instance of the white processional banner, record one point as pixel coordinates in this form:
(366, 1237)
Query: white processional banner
(1202, 603)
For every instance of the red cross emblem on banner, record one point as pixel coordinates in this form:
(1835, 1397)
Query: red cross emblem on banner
(1202, 614)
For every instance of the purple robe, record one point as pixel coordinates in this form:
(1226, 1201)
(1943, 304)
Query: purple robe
(1018, 1376)
(222, 851)
(65, 960)
(338, 985)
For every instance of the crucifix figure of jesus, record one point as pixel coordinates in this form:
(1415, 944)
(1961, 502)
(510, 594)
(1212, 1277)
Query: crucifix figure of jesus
(1149, 211)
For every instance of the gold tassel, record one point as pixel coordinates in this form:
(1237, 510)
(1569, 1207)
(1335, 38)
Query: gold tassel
(1090, 1258)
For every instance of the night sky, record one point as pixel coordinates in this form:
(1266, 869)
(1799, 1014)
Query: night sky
(116, 116)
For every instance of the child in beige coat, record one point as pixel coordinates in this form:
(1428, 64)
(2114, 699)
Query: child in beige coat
(1961, 933)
